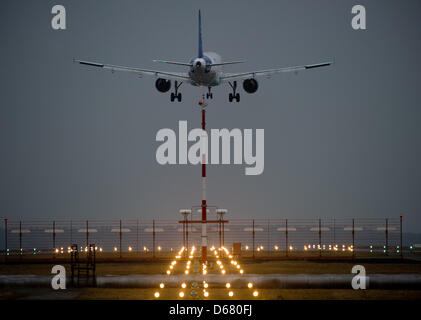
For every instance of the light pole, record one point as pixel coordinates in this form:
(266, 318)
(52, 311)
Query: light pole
(203, 105)
(221, 213)
(185, 213)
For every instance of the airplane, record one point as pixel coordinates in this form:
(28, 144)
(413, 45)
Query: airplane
(204, 71)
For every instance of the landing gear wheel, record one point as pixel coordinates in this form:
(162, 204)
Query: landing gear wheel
(209, 95)
(234, 95)
(176, 94)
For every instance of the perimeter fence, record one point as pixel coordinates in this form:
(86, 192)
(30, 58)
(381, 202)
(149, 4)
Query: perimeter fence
(258, 238)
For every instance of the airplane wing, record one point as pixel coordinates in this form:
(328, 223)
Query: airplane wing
(159, 74)
(252, 74)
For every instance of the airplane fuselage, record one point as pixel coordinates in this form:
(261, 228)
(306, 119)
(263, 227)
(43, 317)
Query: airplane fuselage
(202, 74)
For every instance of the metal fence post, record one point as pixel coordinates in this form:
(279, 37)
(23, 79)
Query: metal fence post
(140, 235)
(137, 235)
(220, 230)
(20, 238)
(184, 232)
(5, 239)
(353, 238)
(54, 239)
(71, 233)
(153, 238)
(253, 238)
(401, 244)
(186, 252)
(87, 234)
(286, 237)
(223, 234)
(121, 241)
(268, 238)
(387, 237)
(320, 237)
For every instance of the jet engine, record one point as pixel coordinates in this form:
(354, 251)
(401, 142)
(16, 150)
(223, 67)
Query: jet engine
(162, 85)
(250, 85)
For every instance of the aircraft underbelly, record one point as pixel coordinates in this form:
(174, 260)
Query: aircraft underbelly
(205, 79)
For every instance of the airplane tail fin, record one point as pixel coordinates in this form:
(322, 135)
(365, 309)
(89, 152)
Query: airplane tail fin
(200, 53)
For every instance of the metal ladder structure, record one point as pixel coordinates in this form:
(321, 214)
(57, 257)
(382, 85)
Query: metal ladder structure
(83, 268)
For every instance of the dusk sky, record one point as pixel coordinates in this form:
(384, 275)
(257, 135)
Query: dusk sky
(341, 141)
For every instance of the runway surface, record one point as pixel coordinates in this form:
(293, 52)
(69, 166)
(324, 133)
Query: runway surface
(262, 281)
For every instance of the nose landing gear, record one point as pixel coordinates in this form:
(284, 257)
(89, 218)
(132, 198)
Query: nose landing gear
(234, 94)
(209, 95)
(176, 94)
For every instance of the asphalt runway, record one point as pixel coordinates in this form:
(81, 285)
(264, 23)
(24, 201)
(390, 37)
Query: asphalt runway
(262, 281)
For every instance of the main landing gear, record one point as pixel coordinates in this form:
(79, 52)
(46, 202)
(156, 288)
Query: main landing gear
(234, 95)
(176, 94)
(209, 95)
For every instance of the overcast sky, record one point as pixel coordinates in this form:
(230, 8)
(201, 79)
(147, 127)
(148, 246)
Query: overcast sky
(342, 141)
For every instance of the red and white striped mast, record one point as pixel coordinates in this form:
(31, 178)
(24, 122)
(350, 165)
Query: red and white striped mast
(204, 204)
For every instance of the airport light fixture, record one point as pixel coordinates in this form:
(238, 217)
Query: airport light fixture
(185, 213)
